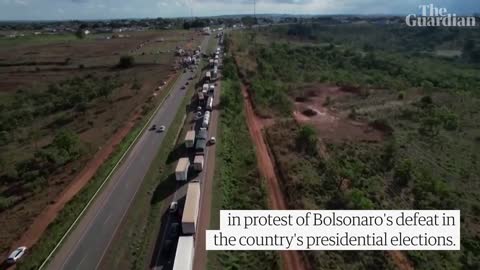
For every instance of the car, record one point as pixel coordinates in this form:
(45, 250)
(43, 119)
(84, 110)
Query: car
(173, 207)
(212, 140)
(187, 83)
(199, 108)
(16, 255)
(183, 87)
(191, 78)
(185, 71)
(153, 127)
(161, 129)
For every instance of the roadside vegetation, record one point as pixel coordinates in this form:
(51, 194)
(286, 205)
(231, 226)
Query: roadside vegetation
(55, 231)
(62, 101)
(415, 113)
(237, 183)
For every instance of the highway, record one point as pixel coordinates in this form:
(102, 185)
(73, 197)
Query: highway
(163, 259)
(86, 245)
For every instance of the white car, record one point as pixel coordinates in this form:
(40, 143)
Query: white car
(16, 255)
(161, 129)
(173, 207)
(212, 140)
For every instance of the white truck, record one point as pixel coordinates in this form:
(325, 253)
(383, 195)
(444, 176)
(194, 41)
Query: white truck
(206, 119)
(181, 171)
(184, 254)
(205, 88)
(210, 104)
(190, 211)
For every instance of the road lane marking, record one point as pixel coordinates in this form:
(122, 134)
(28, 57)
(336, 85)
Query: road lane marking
(107, 219)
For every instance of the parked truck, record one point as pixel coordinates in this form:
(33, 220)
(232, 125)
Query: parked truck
(190, 211)
(205, 88)
(181, 171)
(206, 119)
(184, 253)
(198, 163)
(210, 104)
(211, 90)
(190, 138)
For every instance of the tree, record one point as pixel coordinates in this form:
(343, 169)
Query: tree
(404, 172)
(68, 141)
(307, 139)
(126, 61)
(80, 33)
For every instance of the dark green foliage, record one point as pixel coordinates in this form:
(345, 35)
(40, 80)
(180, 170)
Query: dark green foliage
(28, 105)
(306, 140)
(126, 61)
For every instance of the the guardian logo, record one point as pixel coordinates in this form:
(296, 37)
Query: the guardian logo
(432, 16)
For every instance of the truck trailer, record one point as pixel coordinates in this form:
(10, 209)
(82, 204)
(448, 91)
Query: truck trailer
(190, 211)
(198, 163)
(190, 138)
(184, 254)
(181, 171)
(210, 104)
(206, 119)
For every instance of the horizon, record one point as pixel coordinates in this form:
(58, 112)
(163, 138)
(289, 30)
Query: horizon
(95, 10)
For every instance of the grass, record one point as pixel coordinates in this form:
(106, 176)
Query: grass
(237, 184)
(40, 39)
(39, 252)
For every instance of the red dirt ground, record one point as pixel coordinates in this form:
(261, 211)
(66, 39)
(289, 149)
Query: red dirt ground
(330, 124)
(292, 259)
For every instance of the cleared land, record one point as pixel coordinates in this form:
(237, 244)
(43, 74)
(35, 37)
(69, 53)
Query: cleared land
(369, 117)
(70, 103)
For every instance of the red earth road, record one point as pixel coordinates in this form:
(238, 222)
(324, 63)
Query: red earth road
(292, 260)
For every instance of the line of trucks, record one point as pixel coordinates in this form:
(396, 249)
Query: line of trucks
(195, 142)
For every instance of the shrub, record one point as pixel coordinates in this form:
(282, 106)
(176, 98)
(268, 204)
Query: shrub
(126, 61)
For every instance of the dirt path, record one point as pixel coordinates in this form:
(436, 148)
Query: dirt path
(292, 260)
(48, 215)
(400, 260)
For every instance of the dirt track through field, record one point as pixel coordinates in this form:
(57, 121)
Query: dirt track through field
(292, 260)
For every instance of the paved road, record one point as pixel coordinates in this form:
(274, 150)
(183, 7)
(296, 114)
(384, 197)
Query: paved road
(88, 242)
(162, 260)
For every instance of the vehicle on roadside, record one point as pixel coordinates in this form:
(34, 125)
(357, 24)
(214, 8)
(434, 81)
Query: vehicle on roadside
(173, 207)
(161, 129)
(16, 255)
(212, 141)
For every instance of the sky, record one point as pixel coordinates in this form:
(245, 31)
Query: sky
(115, 9)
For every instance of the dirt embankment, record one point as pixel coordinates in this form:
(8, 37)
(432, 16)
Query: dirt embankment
(292, 260)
